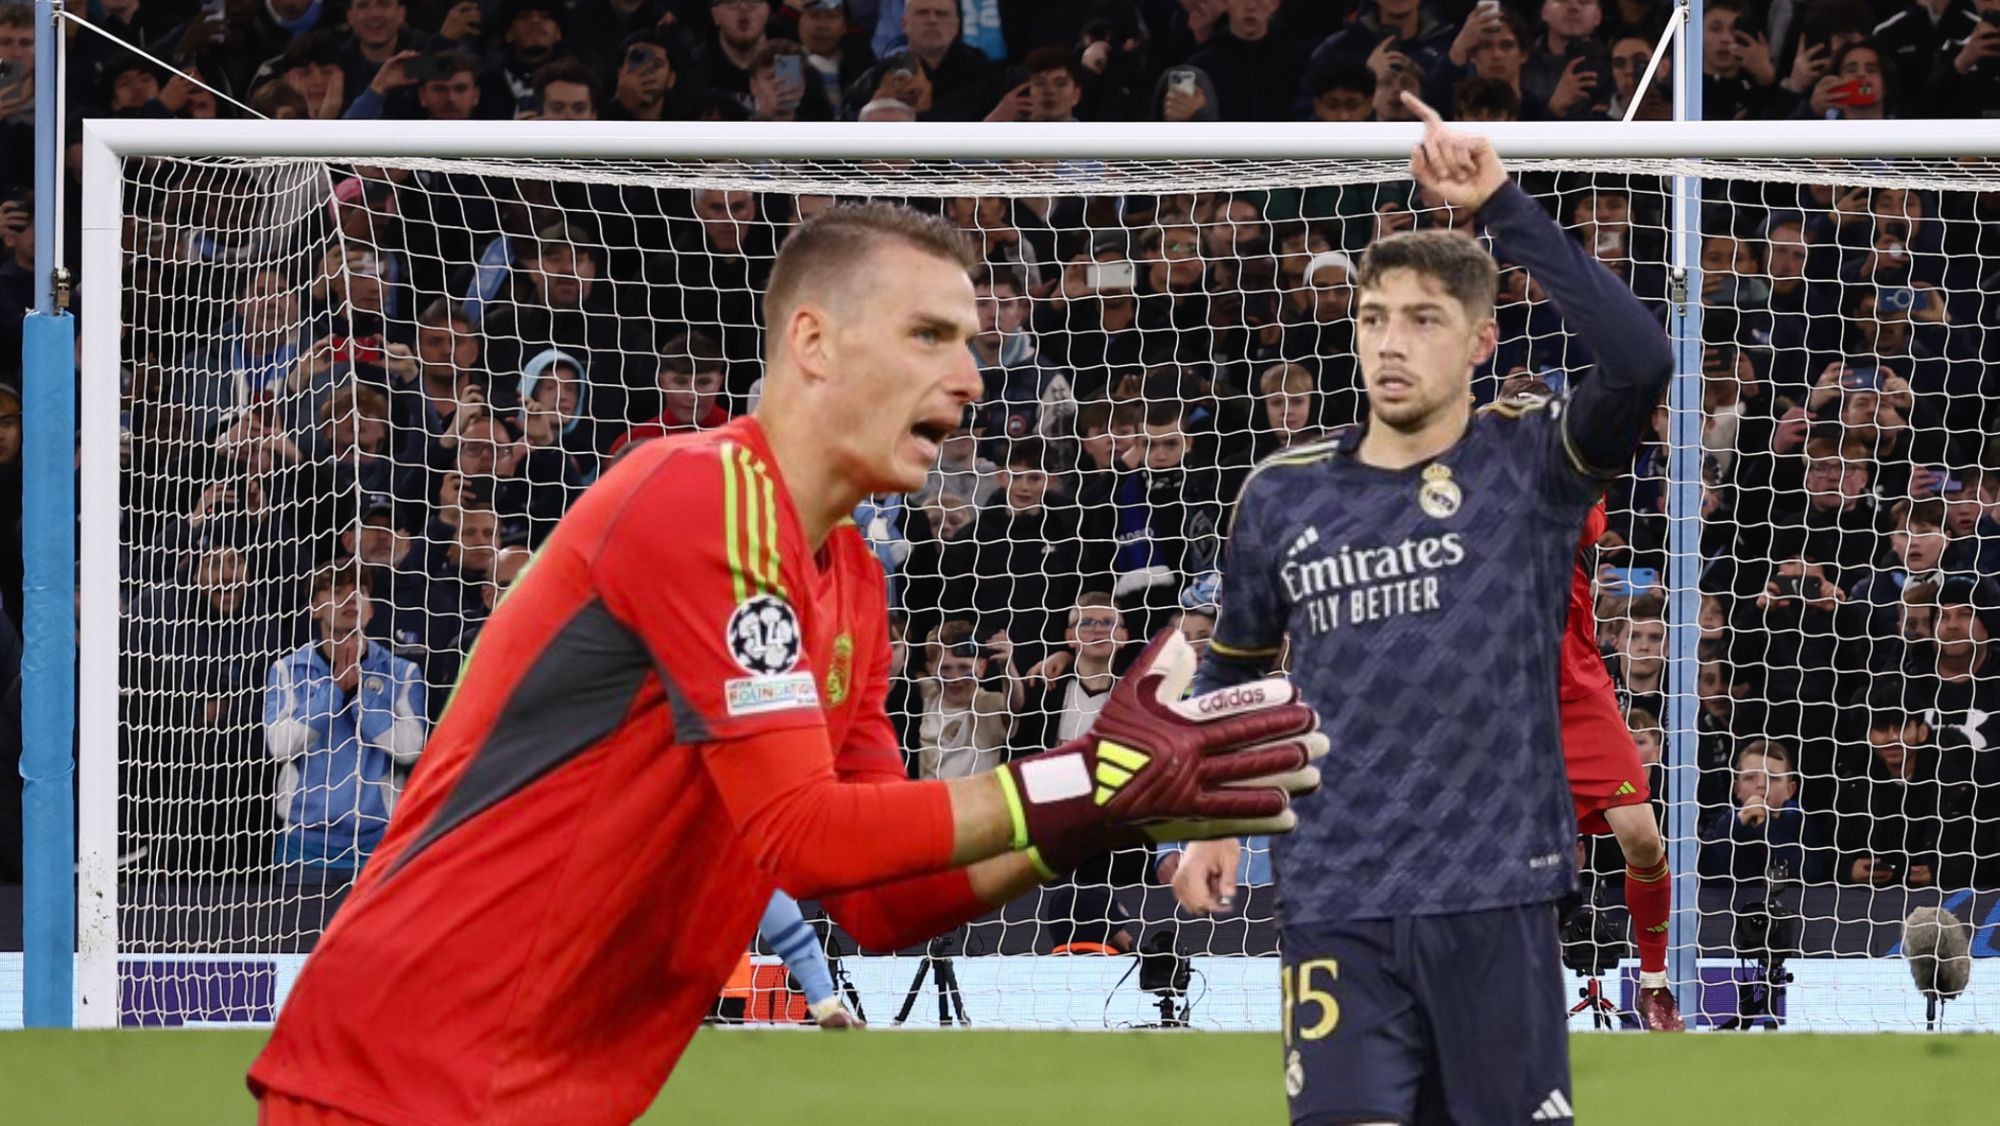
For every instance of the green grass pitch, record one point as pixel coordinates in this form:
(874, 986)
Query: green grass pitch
(166, 1078)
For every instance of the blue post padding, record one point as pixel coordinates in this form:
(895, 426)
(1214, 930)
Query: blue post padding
(1684, 562)
(48, 668)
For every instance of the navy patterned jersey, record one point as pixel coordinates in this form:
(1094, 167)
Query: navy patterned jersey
(1424, 609)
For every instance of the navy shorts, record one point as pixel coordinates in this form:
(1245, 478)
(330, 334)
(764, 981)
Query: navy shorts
(1428, 1018)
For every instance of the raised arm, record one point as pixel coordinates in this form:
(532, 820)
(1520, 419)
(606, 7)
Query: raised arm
(1608, 412)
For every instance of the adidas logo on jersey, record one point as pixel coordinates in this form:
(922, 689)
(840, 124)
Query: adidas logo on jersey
(1555, 1108)
(1625, 788)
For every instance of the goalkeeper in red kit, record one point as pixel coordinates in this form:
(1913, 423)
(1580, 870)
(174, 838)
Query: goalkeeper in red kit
(680, 707)
(1607, 782)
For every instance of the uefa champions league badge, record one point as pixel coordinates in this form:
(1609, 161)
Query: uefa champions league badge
(763, 636)
(1439, 496)
(1295, 1074)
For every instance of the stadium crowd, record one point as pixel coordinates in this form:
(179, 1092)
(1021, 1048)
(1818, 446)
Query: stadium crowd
(338, 464)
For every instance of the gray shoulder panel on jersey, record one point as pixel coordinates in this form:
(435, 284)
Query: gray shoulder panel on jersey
(577, 692)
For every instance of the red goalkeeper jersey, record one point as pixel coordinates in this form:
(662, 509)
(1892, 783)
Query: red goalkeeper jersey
(569, 879)
(1583, 671)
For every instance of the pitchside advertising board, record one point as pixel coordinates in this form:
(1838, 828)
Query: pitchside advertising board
(1849, 979)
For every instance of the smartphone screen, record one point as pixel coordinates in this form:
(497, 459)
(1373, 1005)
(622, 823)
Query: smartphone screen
(789, 71)
(1110, 276)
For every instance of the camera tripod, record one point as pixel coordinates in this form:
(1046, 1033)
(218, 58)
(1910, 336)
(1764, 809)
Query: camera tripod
(950, 1001)
(843, 982)
(1172, 1015)
(1758, 999)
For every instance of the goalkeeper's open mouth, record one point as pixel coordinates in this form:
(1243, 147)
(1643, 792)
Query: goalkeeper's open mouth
(929, 435)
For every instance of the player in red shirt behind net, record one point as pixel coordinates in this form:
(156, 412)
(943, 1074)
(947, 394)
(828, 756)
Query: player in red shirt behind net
(1607, 781)
(680, 706)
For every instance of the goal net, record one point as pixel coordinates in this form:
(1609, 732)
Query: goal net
(409, 368)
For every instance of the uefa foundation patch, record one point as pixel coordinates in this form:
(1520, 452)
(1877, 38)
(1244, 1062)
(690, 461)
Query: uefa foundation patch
(755, 695)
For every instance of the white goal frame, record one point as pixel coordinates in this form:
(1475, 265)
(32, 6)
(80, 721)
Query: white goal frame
(107, 144)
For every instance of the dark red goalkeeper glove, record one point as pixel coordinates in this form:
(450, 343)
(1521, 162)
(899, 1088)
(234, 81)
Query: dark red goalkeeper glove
(1157, 767)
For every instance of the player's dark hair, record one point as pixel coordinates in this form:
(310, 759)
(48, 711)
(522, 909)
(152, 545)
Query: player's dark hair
(821, 254)
(1454, 261)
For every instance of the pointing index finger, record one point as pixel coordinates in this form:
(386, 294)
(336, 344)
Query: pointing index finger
(1423, 111)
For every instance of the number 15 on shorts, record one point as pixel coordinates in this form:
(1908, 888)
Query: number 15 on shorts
(1310, 1011)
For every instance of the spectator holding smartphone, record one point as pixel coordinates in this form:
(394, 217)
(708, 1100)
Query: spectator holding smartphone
(1859, 87)
(649, 84)
(938, 75)
(834, 57)
(1909, 811)
(1965, 75)
(1569, 69)
(447, 89)
(778, 87)
(1738, 78)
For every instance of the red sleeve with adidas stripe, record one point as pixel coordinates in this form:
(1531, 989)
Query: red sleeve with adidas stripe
(701, 572)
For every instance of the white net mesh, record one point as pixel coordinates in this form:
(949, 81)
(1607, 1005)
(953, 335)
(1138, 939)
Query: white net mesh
(418, 364)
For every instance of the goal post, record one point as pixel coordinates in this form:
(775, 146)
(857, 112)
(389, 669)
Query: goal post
(272, 183)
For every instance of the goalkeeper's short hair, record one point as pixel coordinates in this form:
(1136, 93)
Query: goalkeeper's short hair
(819, 257)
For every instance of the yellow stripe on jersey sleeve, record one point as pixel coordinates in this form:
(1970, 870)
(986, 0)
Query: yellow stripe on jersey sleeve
(774, 571)
(732, 502)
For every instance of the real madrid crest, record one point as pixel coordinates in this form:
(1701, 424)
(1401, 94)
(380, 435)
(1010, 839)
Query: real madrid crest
(1295, 1073)
(1439, 496)
(840, 674)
